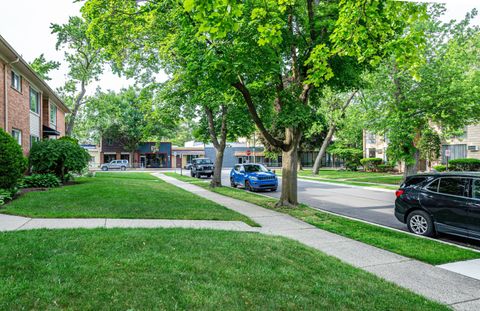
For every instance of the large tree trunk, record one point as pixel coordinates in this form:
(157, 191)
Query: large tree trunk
(217, 172)
(323, 150)
(412, 169)
(289, 172)
(76, 108)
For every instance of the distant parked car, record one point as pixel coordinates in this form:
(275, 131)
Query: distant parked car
(447, 203)
(253, 177)
(188, 166)
(201, 167)
(115, 164)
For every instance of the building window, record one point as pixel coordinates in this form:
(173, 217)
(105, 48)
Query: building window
(53, 115)
(34, 101)
(16, 81)
(17, 135)
(33, 140)
(371, 138)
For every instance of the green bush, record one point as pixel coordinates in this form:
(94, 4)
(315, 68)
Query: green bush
(371, 164)
(385, 168)
(464, 165)
(351, 156)
(7, 195)
(12, 162)
(440, 168)
(40, 181)
(59, 157)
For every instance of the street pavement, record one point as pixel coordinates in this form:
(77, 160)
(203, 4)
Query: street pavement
(372, 205)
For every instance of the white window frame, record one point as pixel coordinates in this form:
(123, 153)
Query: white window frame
(53, 121)
(19, 86)
(32, 141)
(18, 138)
(38, 100)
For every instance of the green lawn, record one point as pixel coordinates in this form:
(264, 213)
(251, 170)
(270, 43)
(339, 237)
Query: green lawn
(120, 195)
(426, 250)
(180, 269)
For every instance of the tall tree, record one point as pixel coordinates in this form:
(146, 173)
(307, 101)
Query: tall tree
(43, 67)
(83, 60)
(274, 52)
(444, 94)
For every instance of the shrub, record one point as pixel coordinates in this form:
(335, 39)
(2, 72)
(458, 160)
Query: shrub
(12, 162)
(464, 165)
(440, 168)
(6, 195)
(59, 157)
(40, 181)
(371, 164)
(351, 156)
(385, 168)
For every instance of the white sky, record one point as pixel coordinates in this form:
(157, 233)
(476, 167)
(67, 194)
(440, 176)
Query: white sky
(25, 24)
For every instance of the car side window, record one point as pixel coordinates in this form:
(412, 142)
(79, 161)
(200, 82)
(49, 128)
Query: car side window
(476, 188)
(433, 186)
(454, 186)
(237, 168)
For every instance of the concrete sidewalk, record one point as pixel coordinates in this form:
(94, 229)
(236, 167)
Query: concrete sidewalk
(14, 223)
(456, 290)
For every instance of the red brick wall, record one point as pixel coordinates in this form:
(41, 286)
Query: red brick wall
(2, 96)
(19, 111)
(45, 113)
(61, 122)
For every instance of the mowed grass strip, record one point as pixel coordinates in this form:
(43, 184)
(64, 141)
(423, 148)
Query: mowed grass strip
(120, 195)
(180, 269)
(426, 250)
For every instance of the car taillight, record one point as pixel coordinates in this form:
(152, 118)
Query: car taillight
(399, 192)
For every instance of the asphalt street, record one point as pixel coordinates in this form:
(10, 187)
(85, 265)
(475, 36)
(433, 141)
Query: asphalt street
(372, 205)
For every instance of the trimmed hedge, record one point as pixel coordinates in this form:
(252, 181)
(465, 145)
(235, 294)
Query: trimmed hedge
(12, 162)
(6, 195)
(385, 168)
(440, 168)
(464, 165)
(40, 181)
(371, 164)
(58, 157)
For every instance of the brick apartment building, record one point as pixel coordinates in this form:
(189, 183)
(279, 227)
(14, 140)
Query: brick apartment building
(29, 109)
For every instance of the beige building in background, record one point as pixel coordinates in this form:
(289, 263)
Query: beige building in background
(464, 146)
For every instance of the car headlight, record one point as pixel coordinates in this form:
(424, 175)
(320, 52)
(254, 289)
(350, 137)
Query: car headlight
(253, 178)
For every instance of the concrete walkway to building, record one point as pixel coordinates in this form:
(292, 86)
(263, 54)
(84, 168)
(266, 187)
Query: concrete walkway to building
(459, 291)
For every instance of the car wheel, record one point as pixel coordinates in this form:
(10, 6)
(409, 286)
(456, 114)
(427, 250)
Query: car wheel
(191, 173)
(197, 175)
(248, 186)
(104, 168)
(419, 222)
(232, 183)
(123, 168)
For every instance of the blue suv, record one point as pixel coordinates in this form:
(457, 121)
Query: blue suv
(253, 177)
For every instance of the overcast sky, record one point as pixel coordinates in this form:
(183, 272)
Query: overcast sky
(25, 24)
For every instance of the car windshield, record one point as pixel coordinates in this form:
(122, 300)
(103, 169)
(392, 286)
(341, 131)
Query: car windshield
(204, 161)
(252, 168)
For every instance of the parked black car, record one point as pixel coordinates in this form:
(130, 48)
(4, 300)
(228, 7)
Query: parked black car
(201, 167)
(447, 203)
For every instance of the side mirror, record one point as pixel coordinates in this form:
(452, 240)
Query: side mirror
(274, 172)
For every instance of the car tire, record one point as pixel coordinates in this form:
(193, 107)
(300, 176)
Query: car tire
(197, 175)
(248, 186)
(104, 168)
(420, 223)
(232, 183)
(191, 173)
(123, 168)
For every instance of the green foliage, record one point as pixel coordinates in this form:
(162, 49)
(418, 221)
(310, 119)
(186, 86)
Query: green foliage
(371, 164)
(12, 162)
(385, 168)
(43, 67)
(6, 195)
(429, 145)
(40, 181)
(467, 164)
(58, 157)
(352, 156)
(440, 168)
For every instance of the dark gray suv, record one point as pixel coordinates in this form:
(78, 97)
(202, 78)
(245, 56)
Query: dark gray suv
(201, 167)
